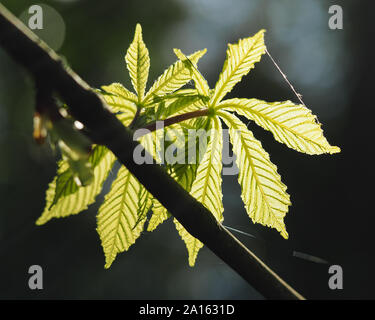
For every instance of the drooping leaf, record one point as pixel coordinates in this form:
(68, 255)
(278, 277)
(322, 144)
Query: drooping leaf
(241, 58)
(72, 143)
(66, 183)
(82, 171)
(118, 215)
(176, 76)
(291, 124)
(84, 196)
(263, 193)
(206, 187)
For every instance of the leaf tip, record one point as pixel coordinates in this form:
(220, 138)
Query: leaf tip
(284, 234)
(199, 55)
(334, 149)
(43, 219)
(108, 261)
(262, 31)
(259, 35)
(192, 260)
(138, 28)
(39, 222)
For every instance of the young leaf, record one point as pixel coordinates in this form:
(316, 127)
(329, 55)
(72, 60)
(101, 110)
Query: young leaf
(176, 76)
(72, 143)
(200, 82)
(291, 124)
(125, 110)
(118, 215)
(138, 63)
(263, 193)
(206, 187)
(82, 171)
(121, 101)
(83, 196)
(241, 58)
(65, 182)
(119, 90)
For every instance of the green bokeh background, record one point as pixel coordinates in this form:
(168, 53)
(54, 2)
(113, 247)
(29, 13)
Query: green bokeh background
(331, 216)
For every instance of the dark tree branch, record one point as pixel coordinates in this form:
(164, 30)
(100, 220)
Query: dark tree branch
(87, 107)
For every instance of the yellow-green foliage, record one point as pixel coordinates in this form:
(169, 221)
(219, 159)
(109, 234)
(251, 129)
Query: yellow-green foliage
(123, 214)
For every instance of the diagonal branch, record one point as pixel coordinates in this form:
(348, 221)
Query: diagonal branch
(86, 106)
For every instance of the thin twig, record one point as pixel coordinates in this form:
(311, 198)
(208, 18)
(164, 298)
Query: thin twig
(176, 119)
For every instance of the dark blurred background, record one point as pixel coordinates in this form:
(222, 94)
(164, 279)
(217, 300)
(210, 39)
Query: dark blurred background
(331, 216)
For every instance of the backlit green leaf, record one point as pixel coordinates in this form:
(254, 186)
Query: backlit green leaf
(206, 187)
(176, 76)
(263, 193)
(241, 58)
(65, 182)
(119, 214)
(291, 124)
(138, 63)
(118, 97)
(84, 196)
(200, 82)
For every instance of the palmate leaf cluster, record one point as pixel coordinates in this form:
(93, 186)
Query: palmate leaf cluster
(123, 215)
